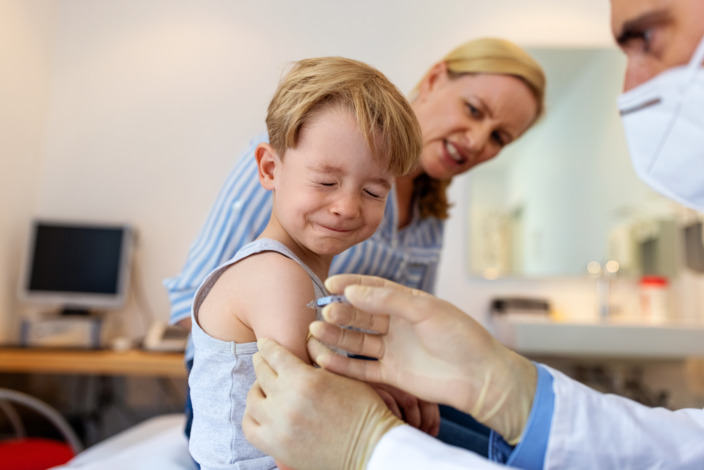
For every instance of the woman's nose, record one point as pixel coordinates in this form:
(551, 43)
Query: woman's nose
(477, 136)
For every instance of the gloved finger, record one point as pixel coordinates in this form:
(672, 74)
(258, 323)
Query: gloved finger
(345, 315)
(250, 427)
(277, 357)
(254, 410)
(410, 304)
(360, 369)
(337, 283)
(265, 374)
(317, 349)
(355, 342)
(390, 402)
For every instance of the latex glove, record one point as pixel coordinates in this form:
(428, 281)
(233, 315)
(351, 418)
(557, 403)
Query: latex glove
(310, 418)
(415, 412)
(427, 347)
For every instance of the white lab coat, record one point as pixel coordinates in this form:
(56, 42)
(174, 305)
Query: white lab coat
(589, 430)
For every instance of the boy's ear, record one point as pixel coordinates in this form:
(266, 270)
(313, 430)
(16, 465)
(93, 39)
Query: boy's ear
(267, 159)
(435, 75)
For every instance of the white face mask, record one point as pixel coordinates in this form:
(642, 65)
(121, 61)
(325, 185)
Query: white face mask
(664, 123)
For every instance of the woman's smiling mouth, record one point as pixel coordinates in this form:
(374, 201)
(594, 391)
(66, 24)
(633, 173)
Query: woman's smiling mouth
(455, 153)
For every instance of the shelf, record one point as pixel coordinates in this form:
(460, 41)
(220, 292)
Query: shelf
(608, 339)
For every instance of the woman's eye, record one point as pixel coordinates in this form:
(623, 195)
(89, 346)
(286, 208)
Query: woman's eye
(498, 138)
(327, 184)
(473, 110)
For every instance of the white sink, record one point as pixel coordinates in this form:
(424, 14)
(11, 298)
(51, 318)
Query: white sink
(607, 339)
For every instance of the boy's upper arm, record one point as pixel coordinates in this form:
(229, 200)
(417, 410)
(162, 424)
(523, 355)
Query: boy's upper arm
(276, 308)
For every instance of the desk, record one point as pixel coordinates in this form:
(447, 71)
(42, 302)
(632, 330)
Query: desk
(92, 362)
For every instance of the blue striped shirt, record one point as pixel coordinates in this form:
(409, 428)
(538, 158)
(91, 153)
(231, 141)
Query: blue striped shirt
(408, 256)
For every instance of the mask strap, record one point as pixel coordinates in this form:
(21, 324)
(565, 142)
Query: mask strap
(696, 63)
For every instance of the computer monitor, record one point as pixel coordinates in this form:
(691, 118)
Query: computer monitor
(77, 267)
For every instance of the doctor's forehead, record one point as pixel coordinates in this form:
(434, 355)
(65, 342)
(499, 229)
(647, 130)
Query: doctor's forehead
(681, 18)
(626, 13)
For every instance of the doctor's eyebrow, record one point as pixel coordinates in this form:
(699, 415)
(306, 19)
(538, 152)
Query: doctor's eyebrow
(631, 28)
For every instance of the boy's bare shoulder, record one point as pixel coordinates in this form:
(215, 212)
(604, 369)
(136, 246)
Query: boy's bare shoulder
(266, 282)
(253, 293)
(274, 279)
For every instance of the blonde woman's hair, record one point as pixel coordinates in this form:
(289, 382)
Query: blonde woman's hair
(480, 56)
(383, 114)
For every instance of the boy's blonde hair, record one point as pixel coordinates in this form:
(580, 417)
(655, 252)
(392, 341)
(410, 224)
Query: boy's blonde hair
(383, 115)
(480, 56)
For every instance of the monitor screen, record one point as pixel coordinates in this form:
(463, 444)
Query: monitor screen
(77, 266)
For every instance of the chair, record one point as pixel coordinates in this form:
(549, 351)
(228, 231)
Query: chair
(32, 453)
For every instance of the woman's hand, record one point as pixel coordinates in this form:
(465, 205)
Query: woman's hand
(428, 348)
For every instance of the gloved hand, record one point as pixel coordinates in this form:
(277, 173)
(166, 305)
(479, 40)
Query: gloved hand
(295, 410)
(427, 347)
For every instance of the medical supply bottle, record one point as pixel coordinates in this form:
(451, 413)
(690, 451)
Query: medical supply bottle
(654, 304)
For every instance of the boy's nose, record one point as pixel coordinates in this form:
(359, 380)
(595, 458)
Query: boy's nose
(346, 205)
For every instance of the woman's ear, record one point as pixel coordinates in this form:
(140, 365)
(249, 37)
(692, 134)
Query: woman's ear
(432, 79)
(267, 159)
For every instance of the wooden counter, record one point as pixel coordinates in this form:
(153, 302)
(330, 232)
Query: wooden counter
(92, 362)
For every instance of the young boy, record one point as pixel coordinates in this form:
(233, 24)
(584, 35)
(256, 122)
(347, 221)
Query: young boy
(339, 133)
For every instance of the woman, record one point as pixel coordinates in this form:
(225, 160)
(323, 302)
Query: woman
(477, 99)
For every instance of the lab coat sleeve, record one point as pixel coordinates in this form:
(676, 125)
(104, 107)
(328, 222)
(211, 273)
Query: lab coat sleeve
(594, 430)
(406, 448)
(529, 454)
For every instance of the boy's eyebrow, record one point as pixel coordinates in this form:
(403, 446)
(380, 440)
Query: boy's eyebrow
(327, 168)
(382, 181)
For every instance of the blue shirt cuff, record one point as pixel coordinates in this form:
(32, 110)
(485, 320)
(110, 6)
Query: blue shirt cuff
(530, 452)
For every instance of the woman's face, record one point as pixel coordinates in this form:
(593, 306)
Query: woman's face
(468, 120)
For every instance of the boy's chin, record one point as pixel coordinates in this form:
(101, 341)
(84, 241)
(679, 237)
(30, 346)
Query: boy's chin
(333, 247)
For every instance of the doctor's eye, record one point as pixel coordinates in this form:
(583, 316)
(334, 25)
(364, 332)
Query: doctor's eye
(637, 38)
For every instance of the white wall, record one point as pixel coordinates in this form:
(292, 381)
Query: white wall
(150, 102)
(25, 31)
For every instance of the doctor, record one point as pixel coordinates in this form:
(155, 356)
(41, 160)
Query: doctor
(312, 418)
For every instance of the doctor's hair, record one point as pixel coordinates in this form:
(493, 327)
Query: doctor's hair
(479, 56)
(383, 114)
